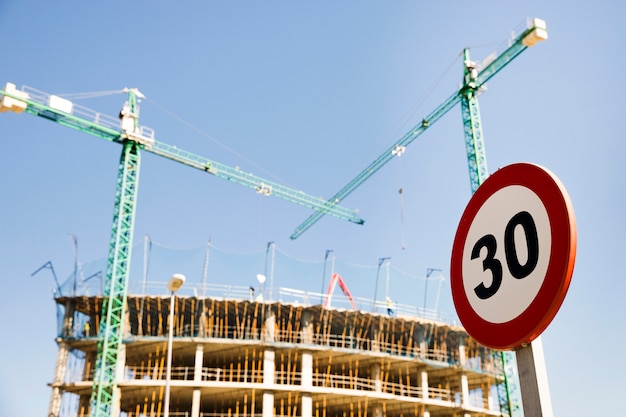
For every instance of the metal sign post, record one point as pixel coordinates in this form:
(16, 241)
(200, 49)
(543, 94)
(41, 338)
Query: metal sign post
(533, 378)
(511, 266)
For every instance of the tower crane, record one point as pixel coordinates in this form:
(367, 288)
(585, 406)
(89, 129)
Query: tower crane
(474, 81)
(134, 138)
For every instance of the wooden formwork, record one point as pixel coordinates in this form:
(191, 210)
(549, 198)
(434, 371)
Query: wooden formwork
(357, 358)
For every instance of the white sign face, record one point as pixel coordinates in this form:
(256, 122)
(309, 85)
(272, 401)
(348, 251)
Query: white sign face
(513, 256)
(509, 235)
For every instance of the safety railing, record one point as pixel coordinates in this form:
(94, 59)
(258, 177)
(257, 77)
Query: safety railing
(335, 341)
(347, 382)
(152, 413)
(75, 109)
(330, 381)
(57, 103)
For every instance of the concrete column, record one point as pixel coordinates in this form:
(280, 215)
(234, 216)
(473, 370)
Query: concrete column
(269, 369)
(269, 335)
(424, 384)
(197, 377)
(307, 383)
(423, 349)
(465, 399)
(375, 345)
(268, 404)
(307, 405)
(375, 371)
(464, 391)
(59, 376)
(423, 336)
(197, 369)
(488, 399)
(202, 323)
(68, 320)
(308, 332)
(307, 370)
(195, 403)
(378, 410)
(462, 355)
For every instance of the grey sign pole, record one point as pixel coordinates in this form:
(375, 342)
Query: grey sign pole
(533, 379)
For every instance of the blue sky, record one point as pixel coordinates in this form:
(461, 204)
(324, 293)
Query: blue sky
(308, 94)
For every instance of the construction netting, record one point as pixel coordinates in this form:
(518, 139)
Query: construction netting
(271, 274)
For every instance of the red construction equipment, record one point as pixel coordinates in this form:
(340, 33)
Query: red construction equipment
(334, 279)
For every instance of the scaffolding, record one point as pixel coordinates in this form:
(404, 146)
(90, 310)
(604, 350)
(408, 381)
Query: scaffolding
(240, 357)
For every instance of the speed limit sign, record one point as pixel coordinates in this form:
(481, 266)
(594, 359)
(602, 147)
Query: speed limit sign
(513, 256)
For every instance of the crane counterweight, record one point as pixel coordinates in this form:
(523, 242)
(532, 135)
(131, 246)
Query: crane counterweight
(14, 100)
(538, 34)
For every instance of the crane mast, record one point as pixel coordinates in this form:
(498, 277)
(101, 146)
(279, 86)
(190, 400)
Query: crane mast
(111, 332)
(474, 80)
(133, 139)
(472, 126)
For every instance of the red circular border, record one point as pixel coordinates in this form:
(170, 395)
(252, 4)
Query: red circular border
(533, 321)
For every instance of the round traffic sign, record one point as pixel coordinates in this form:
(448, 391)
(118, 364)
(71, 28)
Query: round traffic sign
(513, 256)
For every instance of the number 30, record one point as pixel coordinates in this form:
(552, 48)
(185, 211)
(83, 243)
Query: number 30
(519, 271)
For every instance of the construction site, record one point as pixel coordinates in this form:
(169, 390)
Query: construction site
(237, 350)
(237, 357)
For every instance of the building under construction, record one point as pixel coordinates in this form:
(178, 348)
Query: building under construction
(241, 356)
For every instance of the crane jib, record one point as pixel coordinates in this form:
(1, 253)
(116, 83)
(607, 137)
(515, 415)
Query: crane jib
(66, 113)
(534, 31)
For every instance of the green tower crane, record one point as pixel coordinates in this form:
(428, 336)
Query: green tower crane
(474, 80)
(134, 138)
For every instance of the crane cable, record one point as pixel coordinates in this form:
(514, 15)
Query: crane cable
(410, 115)
(401, 202)
(404, 120)
(93, 94)
(400, 192)
(212, 139)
